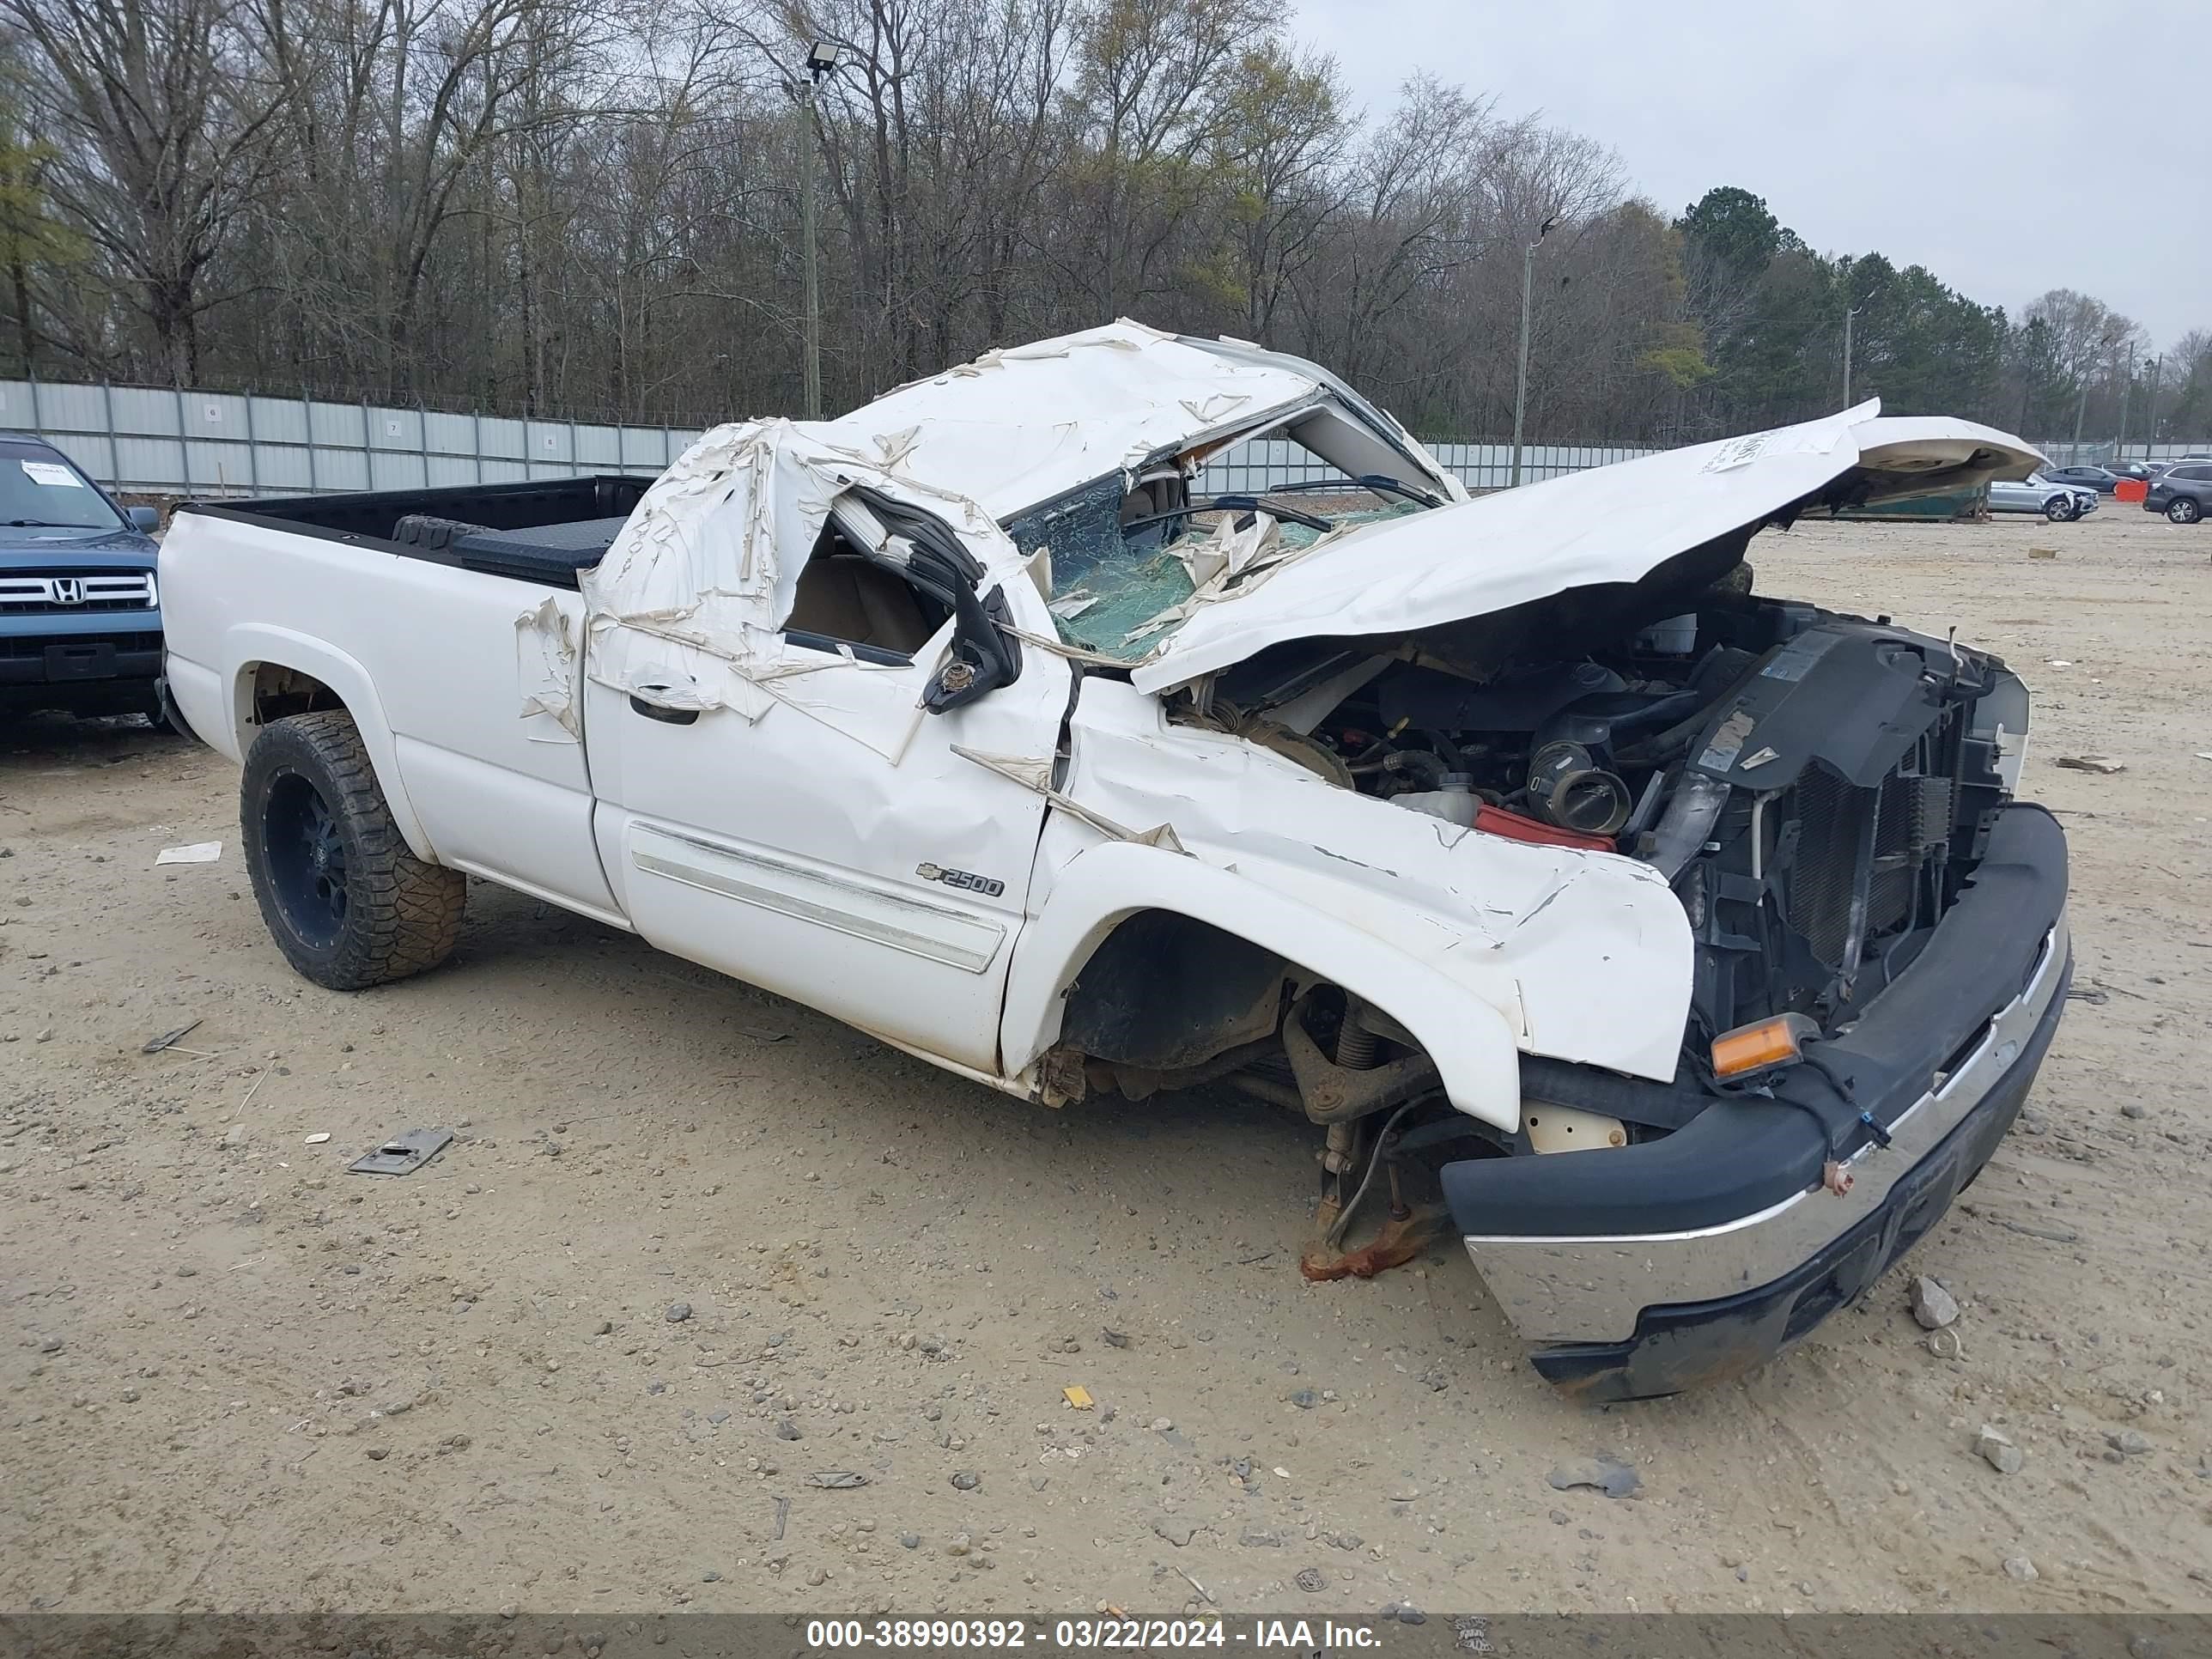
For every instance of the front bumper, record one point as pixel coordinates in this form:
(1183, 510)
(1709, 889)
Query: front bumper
(1632, 1276)
(92, 670)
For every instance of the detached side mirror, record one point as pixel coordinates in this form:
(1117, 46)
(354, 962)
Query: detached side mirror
(145, 519)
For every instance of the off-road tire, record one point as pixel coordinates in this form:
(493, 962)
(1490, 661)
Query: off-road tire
(346, 902)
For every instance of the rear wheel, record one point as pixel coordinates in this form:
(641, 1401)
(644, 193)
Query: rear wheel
(2184, 509)
(346, 902)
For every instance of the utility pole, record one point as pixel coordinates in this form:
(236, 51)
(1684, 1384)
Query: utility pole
(2150, 410)
(1849, 311)
(820, 59)
(2120, 440)
(1521, 386)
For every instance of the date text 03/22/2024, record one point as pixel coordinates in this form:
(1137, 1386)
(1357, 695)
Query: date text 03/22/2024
(943, 1635)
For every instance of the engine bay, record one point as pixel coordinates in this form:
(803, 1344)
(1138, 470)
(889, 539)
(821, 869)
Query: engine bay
(1814, 787)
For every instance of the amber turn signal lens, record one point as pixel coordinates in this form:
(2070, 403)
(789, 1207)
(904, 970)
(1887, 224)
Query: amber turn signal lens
(1755, 1048)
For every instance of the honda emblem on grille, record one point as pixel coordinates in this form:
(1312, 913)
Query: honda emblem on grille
(67, 590)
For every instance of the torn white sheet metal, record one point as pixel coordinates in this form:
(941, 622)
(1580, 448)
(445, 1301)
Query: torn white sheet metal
(547, 658)
(684, 612)
(1611, 524)
(1037, 774)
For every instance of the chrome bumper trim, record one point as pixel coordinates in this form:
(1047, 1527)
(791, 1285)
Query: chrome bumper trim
(1592, 1290)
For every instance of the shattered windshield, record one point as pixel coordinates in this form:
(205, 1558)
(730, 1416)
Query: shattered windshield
(1126, 560)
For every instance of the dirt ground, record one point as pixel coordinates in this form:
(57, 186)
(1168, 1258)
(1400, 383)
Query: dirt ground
(237, 1377)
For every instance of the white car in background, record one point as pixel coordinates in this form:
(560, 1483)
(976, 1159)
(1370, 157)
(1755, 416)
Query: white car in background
(2061, 503)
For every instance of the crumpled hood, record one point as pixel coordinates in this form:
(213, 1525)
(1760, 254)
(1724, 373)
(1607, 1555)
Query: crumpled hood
(1610, 525)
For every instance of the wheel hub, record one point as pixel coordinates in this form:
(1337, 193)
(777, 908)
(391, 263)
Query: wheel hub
(306, 860)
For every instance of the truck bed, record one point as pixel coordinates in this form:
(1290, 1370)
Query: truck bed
(543, 532)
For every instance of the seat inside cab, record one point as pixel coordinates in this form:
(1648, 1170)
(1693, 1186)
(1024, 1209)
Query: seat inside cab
(849, 598)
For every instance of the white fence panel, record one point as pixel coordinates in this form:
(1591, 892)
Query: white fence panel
(159, 441)
(503, 438)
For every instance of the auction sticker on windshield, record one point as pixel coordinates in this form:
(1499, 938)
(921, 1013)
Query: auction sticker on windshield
(46, 472)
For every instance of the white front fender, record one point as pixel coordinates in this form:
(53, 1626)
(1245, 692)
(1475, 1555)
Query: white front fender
(1469, 1039)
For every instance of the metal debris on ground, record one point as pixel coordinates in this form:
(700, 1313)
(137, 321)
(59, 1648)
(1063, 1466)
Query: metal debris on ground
(782, 1515)
(836, 1479)
(1195, 1585)
(168, 1039)
(2095, 763)
(1606, 1474)
(1077, 1396)
(402, 1153)
(319, 1137)
(198, 851)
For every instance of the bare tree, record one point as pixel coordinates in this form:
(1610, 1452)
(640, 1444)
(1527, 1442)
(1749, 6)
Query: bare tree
(595, 209)
(160, 131)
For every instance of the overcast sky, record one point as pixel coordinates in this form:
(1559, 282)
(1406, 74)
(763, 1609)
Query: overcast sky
(1981, 140)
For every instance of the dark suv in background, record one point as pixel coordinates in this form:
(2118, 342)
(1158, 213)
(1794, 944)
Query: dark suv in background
(2183, 492)
(80, 613)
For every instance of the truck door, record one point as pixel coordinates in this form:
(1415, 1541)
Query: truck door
(837, 849)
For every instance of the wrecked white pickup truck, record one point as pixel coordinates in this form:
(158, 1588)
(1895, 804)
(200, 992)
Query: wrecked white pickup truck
(1683, 950)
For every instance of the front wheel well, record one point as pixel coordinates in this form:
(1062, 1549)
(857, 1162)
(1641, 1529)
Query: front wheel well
(1166, 1001)
(1165, 992)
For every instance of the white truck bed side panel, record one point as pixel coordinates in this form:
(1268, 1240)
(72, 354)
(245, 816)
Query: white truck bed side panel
(425, 656)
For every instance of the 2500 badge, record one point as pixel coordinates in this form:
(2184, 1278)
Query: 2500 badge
(964, 880)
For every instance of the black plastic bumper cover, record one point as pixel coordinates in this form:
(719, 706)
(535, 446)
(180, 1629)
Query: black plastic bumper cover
(1689, 1345)
(1740, 1158)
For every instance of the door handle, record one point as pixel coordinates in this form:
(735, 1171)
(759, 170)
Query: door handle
(653, 711)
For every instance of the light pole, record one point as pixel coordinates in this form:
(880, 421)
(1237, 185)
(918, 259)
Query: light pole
(1521, 385)
(1849, 311)
(2150, 410)
(2127, 385)
(820, 59)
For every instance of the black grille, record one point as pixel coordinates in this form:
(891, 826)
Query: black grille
(1828, 814)
(1910, 814)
